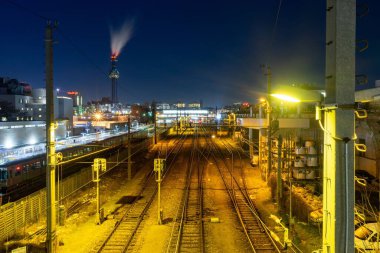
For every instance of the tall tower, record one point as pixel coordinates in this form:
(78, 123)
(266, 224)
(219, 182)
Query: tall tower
(114, 75)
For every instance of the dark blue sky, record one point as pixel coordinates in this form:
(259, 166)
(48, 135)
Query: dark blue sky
(181, 50)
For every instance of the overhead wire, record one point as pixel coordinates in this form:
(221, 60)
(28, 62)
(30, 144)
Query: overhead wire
(81, 51)
(273, 35)
(26, 9)
(64, 36)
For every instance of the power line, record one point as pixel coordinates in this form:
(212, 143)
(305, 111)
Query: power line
(81, 52)
(26, 9)
(274, 31)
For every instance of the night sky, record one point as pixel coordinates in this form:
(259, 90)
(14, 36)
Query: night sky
(185, 50)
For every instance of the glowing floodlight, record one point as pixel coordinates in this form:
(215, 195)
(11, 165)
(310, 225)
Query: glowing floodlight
(296, 94)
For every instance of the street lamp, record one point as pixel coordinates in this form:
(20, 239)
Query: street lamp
(295, 94)
(98, 116)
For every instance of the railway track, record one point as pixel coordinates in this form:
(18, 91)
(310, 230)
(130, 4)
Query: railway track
(187, 231)
(257, 234)
(121, 237)
(239, 152)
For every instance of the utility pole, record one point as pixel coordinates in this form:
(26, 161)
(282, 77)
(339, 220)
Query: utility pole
(129, 148)
(339, 155)
(155, 124)
(233, 125)
(50, 142)
(279, 169)
(250, 137)
(177, 121)
(269, 120)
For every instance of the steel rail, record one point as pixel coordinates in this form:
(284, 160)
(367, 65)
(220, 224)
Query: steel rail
(121, 236)
(189, 212)
(258, 237)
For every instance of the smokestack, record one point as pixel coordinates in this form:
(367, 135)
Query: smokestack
(114, 75)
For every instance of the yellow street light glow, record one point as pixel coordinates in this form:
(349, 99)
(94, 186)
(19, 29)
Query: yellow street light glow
(97, 116)
(296, 94)
(286, 98)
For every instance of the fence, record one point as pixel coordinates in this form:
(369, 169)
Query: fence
(17, 215)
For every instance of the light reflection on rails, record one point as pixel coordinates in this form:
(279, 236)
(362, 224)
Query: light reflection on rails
(121, 238)
(187, 230)
(255, 230)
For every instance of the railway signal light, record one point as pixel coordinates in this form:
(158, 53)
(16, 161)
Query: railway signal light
(158, 168)
(159, 164)
(99, 164)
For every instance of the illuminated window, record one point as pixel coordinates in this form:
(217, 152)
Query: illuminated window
(39, 109)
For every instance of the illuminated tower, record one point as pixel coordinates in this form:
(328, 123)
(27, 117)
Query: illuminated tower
(114, 75)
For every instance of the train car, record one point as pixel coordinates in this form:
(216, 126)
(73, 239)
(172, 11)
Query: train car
(28, 175)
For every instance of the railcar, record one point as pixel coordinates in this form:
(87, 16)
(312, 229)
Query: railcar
(17, 178)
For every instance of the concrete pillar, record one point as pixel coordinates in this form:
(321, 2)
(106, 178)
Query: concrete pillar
(339, 156)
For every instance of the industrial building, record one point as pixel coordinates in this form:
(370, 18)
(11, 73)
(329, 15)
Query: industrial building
(23, 114)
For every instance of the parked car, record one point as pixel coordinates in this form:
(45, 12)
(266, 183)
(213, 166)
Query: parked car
(367, 238)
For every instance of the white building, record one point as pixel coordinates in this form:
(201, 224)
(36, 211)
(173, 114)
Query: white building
(162, 106)
(194, 105)
(20, 133)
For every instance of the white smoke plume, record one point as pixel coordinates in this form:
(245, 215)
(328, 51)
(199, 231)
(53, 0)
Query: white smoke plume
(120, 37)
